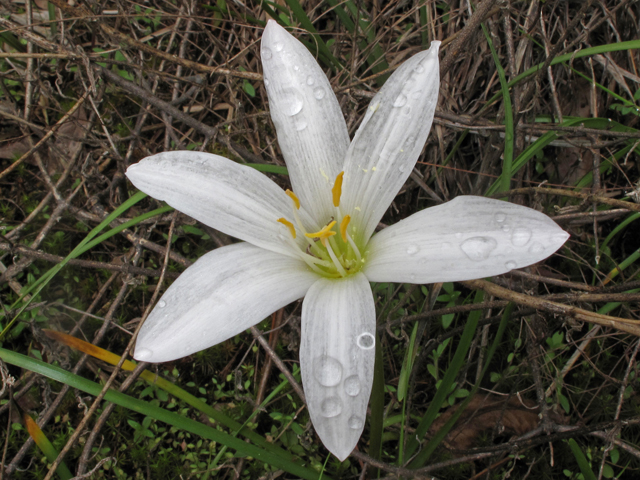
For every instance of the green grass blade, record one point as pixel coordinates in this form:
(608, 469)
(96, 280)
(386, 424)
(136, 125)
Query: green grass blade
(631, 218)
(583, 463)
(586, 52)
(504, 181)
(46, 446)
(75, 381)
(449, 377)
(426, 452)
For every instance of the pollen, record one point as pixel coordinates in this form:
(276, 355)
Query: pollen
(343, 226)
(288, 224)
(293, 197)
(337, 189)
(323, 234)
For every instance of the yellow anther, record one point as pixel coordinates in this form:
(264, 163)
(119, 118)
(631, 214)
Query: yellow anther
(323, 234)
(293, 197)
(288, 224)
(343, 226)
(337, 189)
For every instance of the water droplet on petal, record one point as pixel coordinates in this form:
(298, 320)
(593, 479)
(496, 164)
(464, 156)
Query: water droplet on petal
(419, 68)
(412, 249)
(296, 68)
(162, 304)
(142, 354)
(266, 82)
(506, 228)
(366, 341)
(500, 217)
(536, 248)
(279, 46)
(327, 370)
(402, 168)
(266, 53)
(319, 93)
(355, 422)
(510, 265)
(352, 385)
(331, 407)
(300, 124)
(291, 103)
(520, 236)
(310, 80)
(406, 110)
(478, 248)
(400, 101)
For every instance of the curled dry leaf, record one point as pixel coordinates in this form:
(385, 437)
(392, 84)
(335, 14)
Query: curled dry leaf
(484, 413)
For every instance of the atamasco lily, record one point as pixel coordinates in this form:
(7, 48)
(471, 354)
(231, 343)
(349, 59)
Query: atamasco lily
(317, 240)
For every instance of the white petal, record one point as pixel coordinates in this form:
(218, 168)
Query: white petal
(311, 129)
(232, 198)
(337, 354)
(390, 139)
(225, 292)
(466, 238)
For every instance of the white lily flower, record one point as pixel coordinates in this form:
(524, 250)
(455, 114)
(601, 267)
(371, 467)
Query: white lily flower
(318, 242)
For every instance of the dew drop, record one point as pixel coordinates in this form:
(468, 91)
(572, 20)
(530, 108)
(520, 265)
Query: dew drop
(327, 370)
(266, 82)
(352, 385)
(310, 80)
(500, 217)
(520, 236)
(400, 101)
(419, 68)
(478, 248)
(331, 407)
(279, 46)
(300, 124)
(296, 68)
(355, 422)
(291, 103)
(162, 304)
(142, 354)
(266, 53)
(412, 249)
(536, 248)
(401, 168)
(319, 93)
(510, 265)
(406, 110)
(409, 143)
(505, 228)
(366, 341)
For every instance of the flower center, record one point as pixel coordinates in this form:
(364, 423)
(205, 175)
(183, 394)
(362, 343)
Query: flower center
(331, 251)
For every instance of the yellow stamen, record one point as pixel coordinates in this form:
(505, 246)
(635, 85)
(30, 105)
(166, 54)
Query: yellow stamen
(337, 189)
(323, 234)
(343, 226)
(293, 197)
(289, 225)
